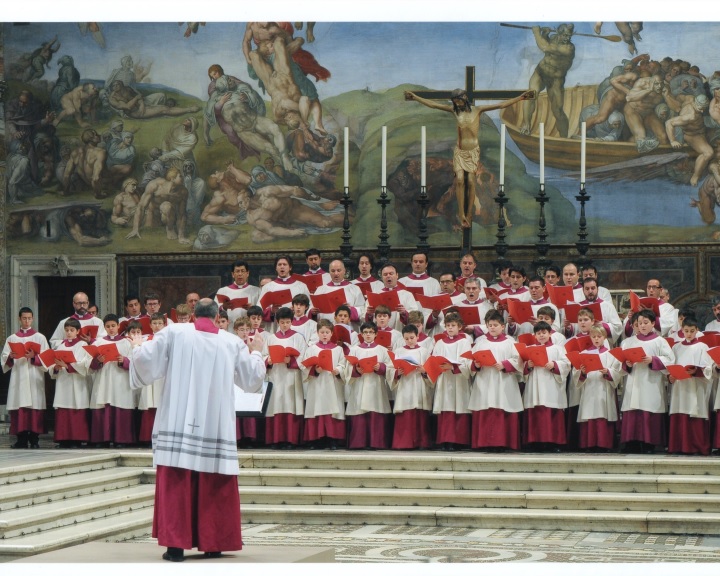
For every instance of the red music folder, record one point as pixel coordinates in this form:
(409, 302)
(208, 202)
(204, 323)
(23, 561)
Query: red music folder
(678, 371)
(327, 303)
(383, 338)
(483, 357)
(636, 302)
(276, 298)
(432, 367)
(91, 331)
(323, 360)
(520, 311)
(572, 310)
(438, 302)
(389, 298)
(560, 295)
(312, 281)
(277, 353)
(633, 355)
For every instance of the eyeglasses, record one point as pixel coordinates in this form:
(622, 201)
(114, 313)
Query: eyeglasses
(81, 303)
(653, 286)
(446, 281)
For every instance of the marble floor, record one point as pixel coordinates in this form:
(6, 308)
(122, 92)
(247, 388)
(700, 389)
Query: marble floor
(419, 544)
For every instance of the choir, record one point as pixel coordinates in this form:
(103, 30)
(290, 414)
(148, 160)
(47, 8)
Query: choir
(403, 363)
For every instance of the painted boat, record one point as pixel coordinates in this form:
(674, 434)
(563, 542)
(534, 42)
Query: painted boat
(564, 153)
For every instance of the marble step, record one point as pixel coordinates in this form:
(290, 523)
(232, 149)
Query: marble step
(650, 502)
(56, 465)
(566, 463)
(629, 483)
(120, 527)
(569, 463)
(19, 495)
(478, 518)
(43, 517)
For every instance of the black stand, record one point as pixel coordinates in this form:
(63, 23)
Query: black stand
(383, 246)
(582, 244)
(501, 247)
(541, 262)
(423, 201)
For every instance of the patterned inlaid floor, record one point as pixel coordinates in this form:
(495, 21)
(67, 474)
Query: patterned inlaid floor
(392, 544)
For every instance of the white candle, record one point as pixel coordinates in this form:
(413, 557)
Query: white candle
(347, 157)
(422, 157)
(502, 154)
(542, 153)
(582, 155)
(383, 177)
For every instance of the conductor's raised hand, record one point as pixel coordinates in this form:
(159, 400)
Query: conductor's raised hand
(256, 344)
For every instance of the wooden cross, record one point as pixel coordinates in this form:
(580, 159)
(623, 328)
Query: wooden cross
(471, 92)
(473, 95)
(193, 426)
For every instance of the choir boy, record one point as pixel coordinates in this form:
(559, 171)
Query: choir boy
(255, 314)
(417, 319)
(544, 397)
(689, 407)
(597, 413)
(369, 420)
(183, 313)
(644, 402)
(26, 392)
(382, 317)
(452, 389)
(325, 397)
(72, 391)
(284, 416)
(413, 397)
(249, 430)
(301, 322)
(112, 401)
(495, 399)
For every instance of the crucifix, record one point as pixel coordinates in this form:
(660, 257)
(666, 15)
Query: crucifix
(193, 426)
(466, 155)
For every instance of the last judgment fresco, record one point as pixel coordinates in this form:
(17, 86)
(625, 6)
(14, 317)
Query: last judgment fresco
(144, 137)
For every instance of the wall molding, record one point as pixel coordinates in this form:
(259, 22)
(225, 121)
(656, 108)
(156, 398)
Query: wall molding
(25, 269)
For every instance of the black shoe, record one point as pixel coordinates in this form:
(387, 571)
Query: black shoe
(34, 440)
(116, 445)
(174, 555)
(22, 441)
(213, 554)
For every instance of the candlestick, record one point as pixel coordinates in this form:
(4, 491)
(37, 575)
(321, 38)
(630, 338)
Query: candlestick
(542, 153)
(383, 177)
(422, 157)
(502, 154)
(347, 157)
(582, 154)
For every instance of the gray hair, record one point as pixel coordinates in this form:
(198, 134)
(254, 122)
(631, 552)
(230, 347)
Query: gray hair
(473, 280)
(206, 308)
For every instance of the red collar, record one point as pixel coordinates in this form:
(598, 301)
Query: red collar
(206, 325)
(25, 333)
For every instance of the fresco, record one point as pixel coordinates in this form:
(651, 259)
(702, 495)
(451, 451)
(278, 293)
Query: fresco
(159, 137)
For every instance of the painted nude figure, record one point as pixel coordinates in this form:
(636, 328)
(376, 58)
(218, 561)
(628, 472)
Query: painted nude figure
(466, 155)
(550, 74)
(167, 196)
